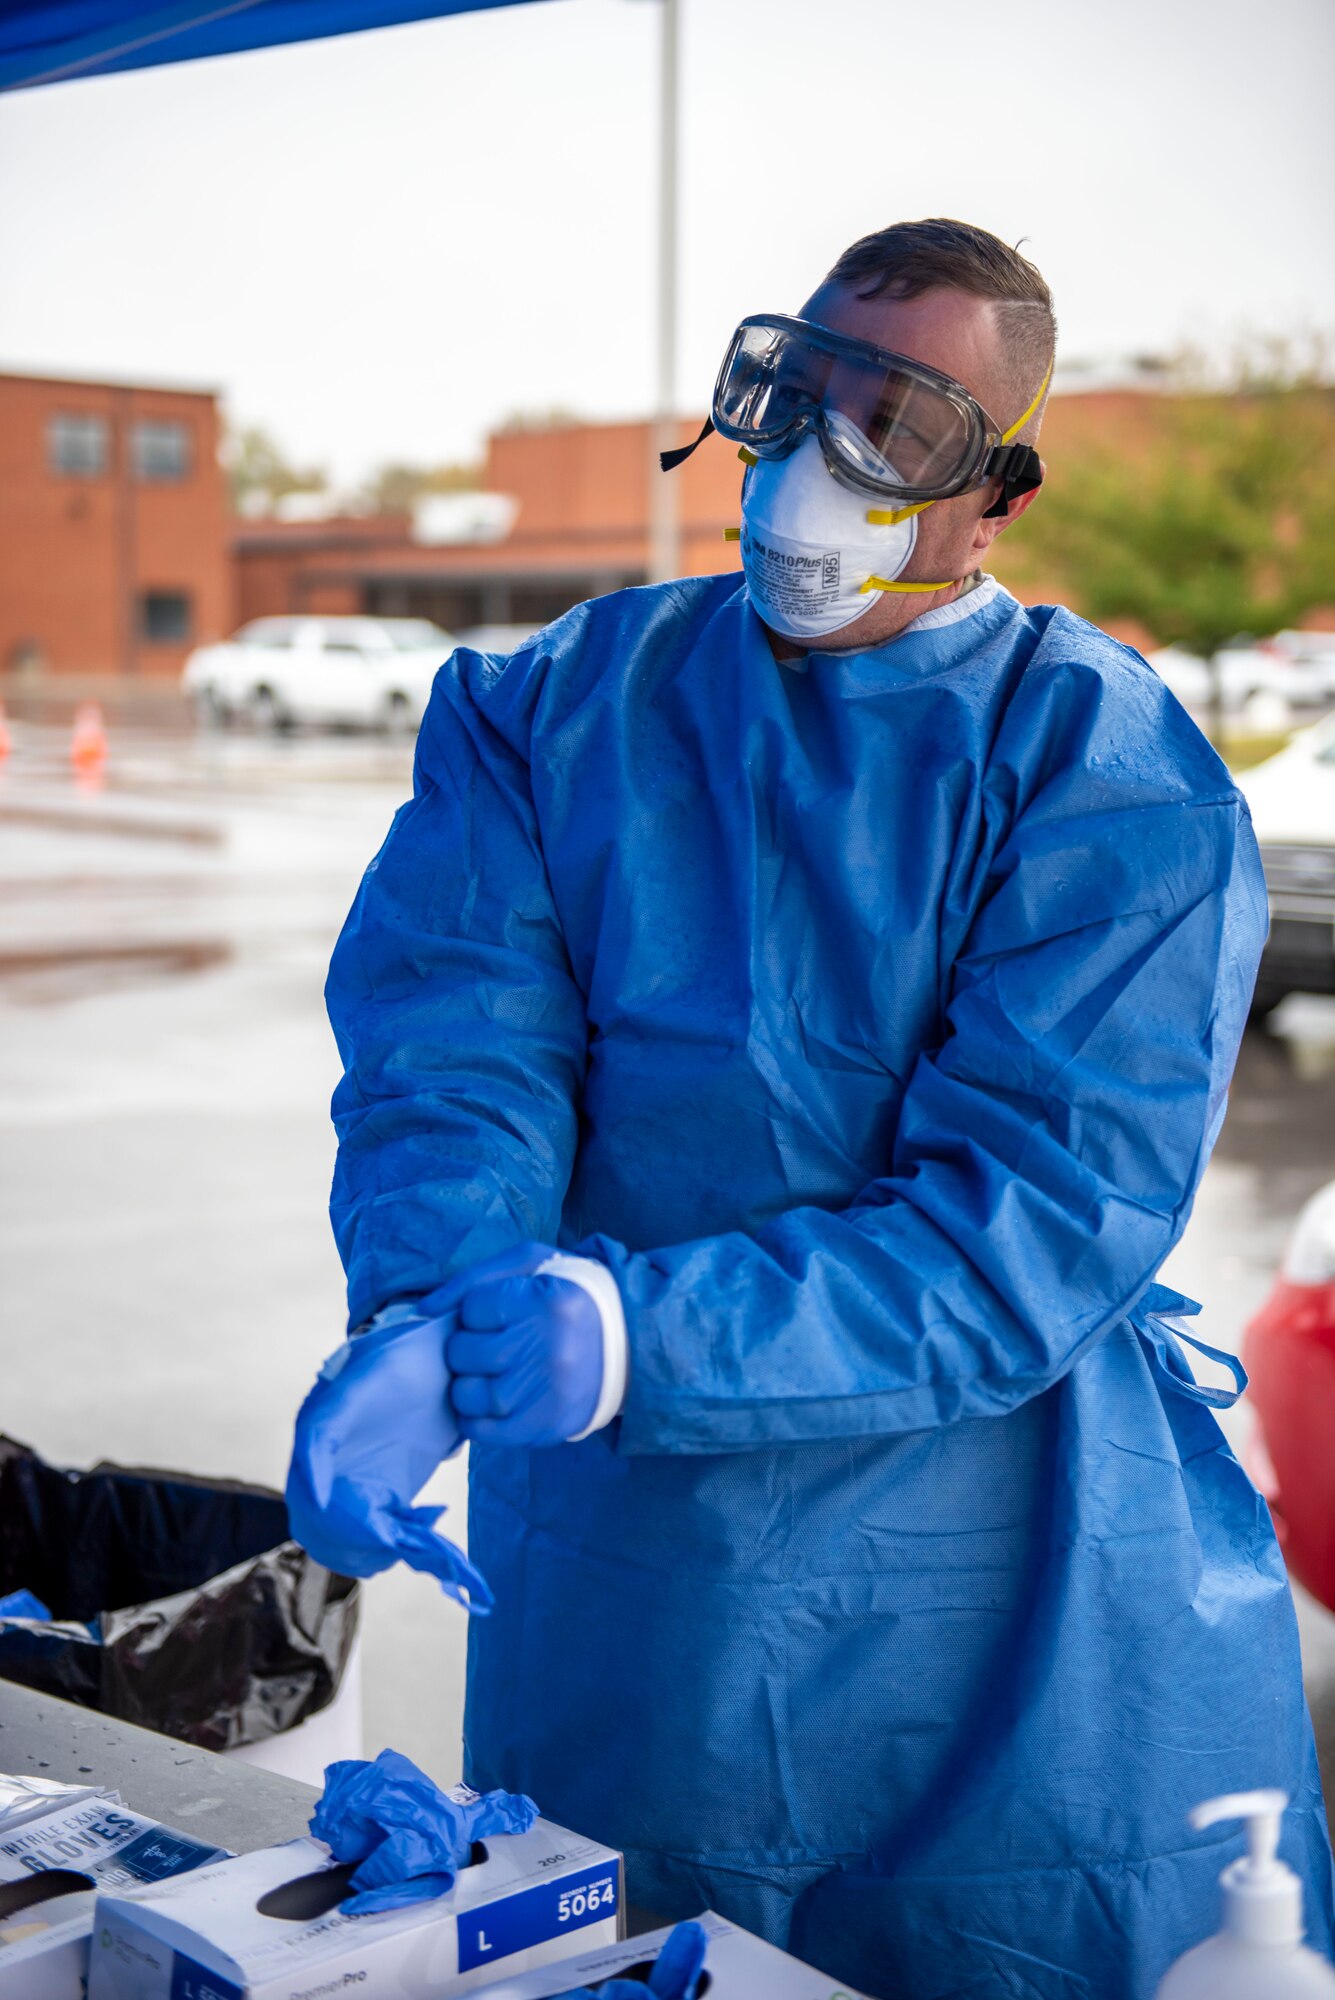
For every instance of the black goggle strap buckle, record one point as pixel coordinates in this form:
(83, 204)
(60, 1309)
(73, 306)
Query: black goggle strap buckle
(668, 461)
(1020, 470)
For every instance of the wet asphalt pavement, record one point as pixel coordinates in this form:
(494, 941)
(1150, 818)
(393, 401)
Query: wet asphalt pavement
(168, 1279)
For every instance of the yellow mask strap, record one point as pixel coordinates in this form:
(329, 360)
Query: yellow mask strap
(890, 517)
(883, 583)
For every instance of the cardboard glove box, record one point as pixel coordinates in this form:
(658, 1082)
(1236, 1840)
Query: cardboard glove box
(266, 1926)
(51, 1868)
(739, 1967)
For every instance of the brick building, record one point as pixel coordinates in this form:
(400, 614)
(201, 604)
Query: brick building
(580, 527)
(113, 526)
(117, 552)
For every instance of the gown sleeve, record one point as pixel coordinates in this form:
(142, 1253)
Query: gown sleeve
(1047, 1150)
(461, 1027)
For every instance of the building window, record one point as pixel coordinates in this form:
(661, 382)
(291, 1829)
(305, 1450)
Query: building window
(162, 451)
(77, 446)
(164, 616)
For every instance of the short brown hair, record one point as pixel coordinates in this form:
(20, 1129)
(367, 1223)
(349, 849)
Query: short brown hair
(910, 258)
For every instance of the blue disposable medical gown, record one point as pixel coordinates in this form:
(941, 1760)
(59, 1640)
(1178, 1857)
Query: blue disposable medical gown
(872, 1018)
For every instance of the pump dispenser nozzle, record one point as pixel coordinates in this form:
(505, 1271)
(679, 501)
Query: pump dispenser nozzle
(1262, 1898)
(1259, 1954)
(1262, 1812)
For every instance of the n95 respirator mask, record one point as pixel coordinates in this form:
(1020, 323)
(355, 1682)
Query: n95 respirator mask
(809, 551)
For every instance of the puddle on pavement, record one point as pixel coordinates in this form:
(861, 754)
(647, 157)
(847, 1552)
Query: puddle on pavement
(55, 816)
(46, 978)
(93, 887)
(150, 763)
(1281, 1111)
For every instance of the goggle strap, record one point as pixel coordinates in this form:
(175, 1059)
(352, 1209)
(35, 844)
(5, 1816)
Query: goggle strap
(668, 461)
(1020, 422)
(1020, 470)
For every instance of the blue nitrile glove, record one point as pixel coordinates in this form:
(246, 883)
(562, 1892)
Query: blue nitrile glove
(675, 1974)
(369, 1435)
(539, 1357)
(22, 1604)
(410, 1838)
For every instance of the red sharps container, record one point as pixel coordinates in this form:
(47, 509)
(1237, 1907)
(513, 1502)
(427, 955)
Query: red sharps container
(1289, 1351)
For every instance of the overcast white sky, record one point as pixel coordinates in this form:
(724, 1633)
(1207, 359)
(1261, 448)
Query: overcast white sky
(378, 245)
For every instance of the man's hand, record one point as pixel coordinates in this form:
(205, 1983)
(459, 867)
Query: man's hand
(539, 1355)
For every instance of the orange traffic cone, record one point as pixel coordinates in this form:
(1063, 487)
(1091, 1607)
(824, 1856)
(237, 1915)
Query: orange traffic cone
(88, 744)
(6, 743)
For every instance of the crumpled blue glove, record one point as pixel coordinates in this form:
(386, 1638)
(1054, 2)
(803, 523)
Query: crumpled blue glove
(23, 1604)
(528, 1358)
(410, 1838)
(369, 1435)
(675, 1975)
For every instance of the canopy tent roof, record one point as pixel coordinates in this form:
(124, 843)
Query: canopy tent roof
(53, 42)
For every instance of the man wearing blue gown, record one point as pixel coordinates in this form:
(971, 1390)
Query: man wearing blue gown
(842, 966)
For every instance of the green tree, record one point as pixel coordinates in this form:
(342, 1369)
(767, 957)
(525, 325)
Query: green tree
(257, 468)
(392, 488)
(556, 417)
(1223, 523)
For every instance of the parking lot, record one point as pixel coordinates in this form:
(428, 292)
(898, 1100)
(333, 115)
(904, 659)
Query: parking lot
(165, 1067)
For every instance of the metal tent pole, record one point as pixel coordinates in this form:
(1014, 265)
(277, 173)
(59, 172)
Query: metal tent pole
(664, 519)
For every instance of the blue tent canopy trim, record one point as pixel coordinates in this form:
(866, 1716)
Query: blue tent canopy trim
(74, 38)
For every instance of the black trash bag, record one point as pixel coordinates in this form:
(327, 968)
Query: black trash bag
(177, 1603)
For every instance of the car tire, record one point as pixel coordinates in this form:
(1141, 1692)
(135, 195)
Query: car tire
(266, 712)
(398, 714)
(210, 711)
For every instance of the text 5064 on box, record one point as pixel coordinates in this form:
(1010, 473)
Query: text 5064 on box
(266, 1926)
(576, 1906)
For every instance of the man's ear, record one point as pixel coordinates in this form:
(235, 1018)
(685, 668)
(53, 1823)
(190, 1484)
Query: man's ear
(990, 526)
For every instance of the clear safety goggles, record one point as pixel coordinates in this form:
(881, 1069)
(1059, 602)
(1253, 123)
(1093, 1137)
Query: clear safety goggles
(888, 426)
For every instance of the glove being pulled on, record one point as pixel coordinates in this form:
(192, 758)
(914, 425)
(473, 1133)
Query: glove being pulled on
(538, 1354)
(675, 1974)
(369, 1435)
(409, 1838)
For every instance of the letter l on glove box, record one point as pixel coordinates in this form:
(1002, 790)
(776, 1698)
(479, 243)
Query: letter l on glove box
(266, 1926)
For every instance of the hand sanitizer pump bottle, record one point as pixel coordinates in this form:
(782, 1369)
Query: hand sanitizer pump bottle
(1259, 1954)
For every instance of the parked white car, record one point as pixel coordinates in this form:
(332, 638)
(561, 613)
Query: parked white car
(1274, 667)
(1311, 656)
(1245, 671)
(496, 639)
(1184, 674)
(1298, 667)
(1292, 800)
(368, 673)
